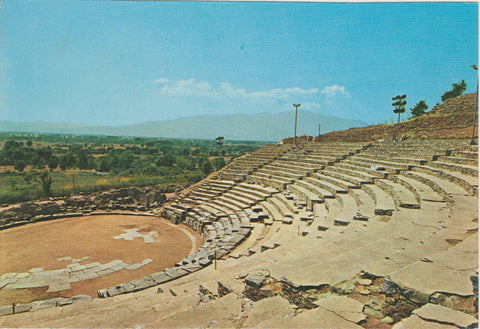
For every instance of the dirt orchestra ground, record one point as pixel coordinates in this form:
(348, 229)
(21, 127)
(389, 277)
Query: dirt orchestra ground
(39, 245)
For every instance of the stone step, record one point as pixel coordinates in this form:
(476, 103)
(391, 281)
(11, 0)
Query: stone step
(469, 183)
(369, 166)
(402, 160)
(421, 190)
(263, 190)
(279, 174)
(465, 154)
(349, 210)
(334, 208)
(362, 176)
(336, 181)
(325, 185)
(225, 204)
(464, 169)
(287, 203)
(281, 207)
(355, 181)
(266, 180)
(403, 197)
(321, 192)
(237, 201)
(458, 160)
(362, 169)
(365, 202)
(249, 242)
(296, 163)
(296, 171)
(384, 203)
(246, 194)
(305, 195)
(234, 177)
(443, 187)
(389, 166)
(272, 211)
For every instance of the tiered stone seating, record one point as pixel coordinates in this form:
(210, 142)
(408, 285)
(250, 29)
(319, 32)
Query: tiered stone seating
(206, 190)
(245, 165)
(406, 212)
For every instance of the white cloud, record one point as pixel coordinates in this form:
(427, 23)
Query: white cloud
(192, 87)
(161, 80)
(311, 106)
(332, 91)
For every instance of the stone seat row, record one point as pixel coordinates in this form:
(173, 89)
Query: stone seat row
(361, 186)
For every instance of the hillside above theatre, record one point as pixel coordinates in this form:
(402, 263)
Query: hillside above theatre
(451, 120)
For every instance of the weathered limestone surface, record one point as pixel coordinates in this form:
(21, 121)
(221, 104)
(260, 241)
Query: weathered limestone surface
(345, 307)
(436, 316)
(268, 308)
(442, 314)
(447, 271)
(310, 319)
(219, 313)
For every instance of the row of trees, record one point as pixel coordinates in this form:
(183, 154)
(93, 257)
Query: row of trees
(421, 107)
(152, 157)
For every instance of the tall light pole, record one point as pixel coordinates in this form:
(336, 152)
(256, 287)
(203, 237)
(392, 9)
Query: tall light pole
(296, 113)
(473, 142)
(399, 103)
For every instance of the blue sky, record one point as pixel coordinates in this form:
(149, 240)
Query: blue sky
(118, 63)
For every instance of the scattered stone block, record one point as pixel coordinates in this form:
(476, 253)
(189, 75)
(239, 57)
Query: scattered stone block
(6, 310)
(58, 287)
(81, 298)
(255, 280)
(446, 315)
(347, 308)
(372, 313)
(389, 287)
(364, 282)
(22, 308)
(267, 308)
(160, 277)
(257, 209)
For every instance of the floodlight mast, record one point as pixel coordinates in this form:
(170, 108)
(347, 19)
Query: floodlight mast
(296, 113)
(472, 141)
(399, 103)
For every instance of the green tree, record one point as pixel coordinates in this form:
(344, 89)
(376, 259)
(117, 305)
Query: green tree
(46, 180)
(52, 162)
(73, 174)
(30, 177)
(13, 182)
(419, 109)
(218, 163)
(20, 165)
(205, 166)
(457, 90)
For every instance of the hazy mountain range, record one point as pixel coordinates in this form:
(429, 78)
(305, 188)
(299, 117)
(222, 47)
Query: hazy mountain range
(261, 127)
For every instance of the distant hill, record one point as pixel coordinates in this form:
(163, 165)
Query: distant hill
(261, 127)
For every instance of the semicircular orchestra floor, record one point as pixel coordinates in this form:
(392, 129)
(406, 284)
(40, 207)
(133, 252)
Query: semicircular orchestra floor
(81, 255)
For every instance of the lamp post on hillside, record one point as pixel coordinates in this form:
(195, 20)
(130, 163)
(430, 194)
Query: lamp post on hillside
(473, 142)
(296, 113)
(399, 103)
